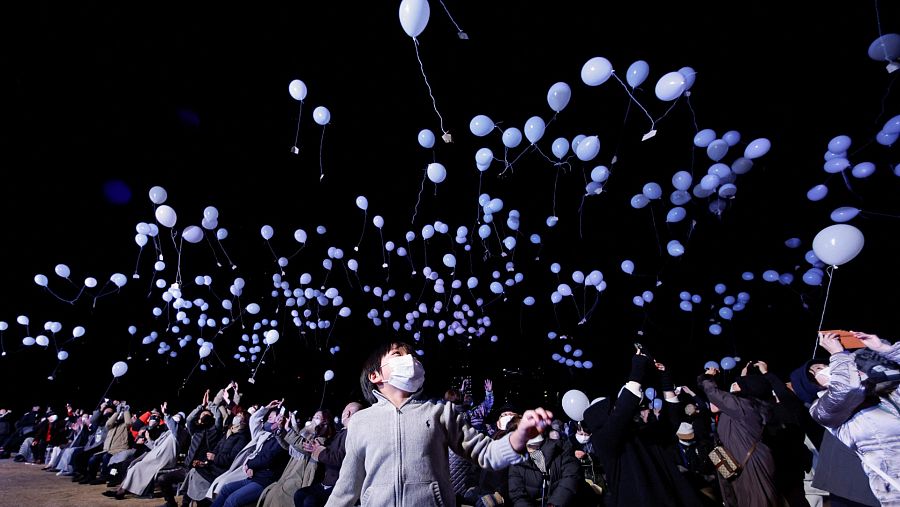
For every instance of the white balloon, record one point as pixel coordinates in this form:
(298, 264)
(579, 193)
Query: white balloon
(78, 332)
(558, 96)
(40, 280)
(322, 115)
(158, 195)
(588, 148)
(42, 340)
(574, 403)
(166, 216)
(267, 232)
(328, 375)
(596, 71)
(62, 270)
(414, 16)
(192, 234)
(297, 89)
(253, 308)
(118, 279)
(90, 282)
(436, 172)
(670, 86)
(140, 239)
(62, 355)
(481, 125)
(119, 368)
(426, 138)
(838, 244)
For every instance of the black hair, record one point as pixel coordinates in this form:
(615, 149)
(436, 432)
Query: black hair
(372, 364)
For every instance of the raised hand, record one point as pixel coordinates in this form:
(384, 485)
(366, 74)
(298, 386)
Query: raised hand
(831, 342)
(488, 385)
(763, 367)
(872, 341)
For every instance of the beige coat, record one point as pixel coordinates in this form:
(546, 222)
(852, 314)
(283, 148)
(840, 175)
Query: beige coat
(300, 472)
(117, 428)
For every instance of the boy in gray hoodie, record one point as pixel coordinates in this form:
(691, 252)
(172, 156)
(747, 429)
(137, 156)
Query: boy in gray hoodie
(397, 449)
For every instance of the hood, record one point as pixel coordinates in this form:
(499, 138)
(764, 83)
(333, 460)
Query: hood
(596, 415)
(804, 388)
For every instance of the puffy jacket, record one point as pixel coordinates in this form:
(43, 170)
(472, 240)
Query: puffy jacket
(565, 477)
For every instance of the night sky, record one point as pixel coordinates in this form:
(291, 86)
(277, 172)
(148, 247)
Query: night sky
(103, 102)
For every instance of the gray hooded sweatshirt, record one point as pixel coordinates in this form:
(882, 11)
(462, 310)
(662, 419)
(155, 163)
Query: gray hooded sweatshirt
(399, 456)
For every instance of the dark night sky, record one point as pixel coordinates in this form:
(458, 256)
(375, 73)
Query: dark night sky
(195, 100)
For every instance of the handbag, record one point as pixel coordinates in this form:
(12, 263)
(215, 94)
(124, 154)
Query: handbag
(726, 464)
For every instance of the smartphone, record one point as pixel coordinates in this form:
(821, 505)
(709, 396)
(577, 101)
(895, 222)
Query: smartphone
(848, 339)
(281, 412)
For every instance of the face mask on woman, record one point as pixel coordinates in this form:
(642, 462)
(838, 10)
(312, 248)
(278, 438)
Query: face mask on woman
(582, 439)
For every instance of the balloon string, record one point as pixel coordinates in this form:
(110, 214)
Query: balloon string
(322, 401)
(361, 234)
(213, 249)
(419, 198)
(409, 256)
(667, 112)
(226, 253)
(878, 214)
(297, 133)
(137, 262)
(830, 271)
(693, 113)
(656, 229)
(458, 29)
(383, 257)
(106, 391)
(178, 248)
(321, 165)
(555, 184)
(884, 98)
(636, 101)
(433, 101)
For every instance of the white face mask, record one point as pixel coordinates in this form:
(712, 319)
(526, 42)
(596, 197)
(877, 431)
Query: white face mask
(536, 440)
(53, 418)
(503, 421)
(407, 373)
(316, 421)
(823, 376)
(582, 439)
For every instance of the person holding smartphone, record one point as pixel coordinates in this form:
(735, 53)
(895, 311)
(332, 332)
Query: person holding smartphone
(861, 407)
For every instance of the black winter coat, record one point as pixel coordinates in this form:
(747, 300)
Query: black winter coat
(564, 482)
(639, 462)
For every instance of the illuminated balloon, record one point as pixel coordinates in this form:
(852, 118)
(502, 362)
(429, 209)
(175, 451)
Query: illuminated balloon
(322, 115)
(558, 96)
(436, 172)
(414, 16)
(838, 244)
(481, 125)
(596, 71)
(670, 86)
(328, 375)
(297, 89)
(426, 138)
(158, 195)
(637, 73)
(119, 369)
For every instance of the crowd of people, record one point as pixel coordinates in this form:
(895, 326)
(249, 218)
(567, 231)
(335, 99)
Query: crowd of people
(827, 436)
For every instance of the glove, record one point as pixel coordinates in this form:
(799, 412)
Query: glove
(638, 368)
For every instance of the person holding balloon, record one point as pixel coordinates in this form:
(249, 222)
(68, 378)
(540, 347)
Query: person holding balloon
(640, 469)
(397, 449)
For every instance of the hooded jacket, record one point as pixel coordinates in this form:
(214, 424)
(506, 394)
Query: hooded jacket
(399, 456)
